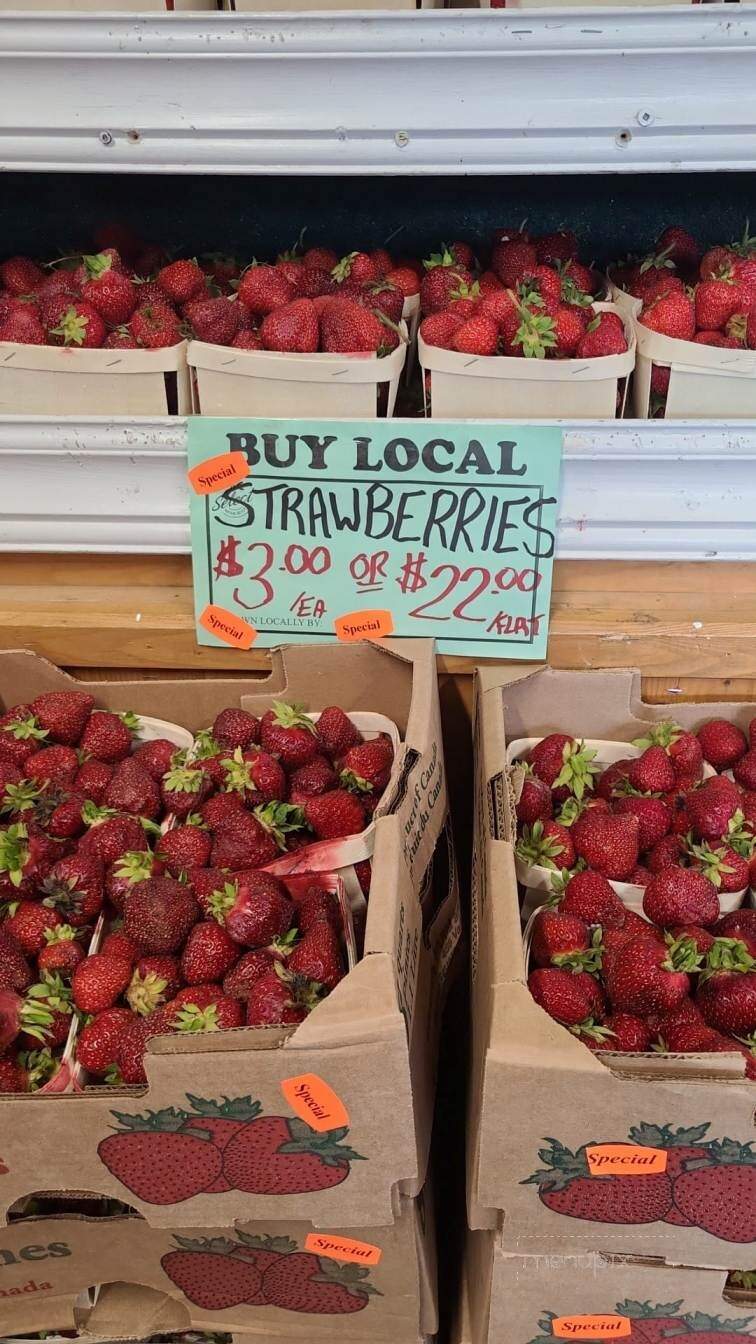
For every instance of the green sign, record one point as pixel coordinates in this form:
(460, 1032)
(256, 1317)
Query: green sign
(314, 530)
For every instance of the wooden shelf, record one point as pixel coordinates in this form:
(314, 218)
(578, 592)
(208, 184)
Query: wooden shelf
(690, 628)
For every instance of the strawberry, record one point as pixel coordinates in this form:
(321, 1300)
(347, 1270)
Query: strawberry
(712, 806)
(154, 981)
(570, 997)
(20, 735)
(98, 1041)
(56, 764)
(723, 866)
(209, 953)
(183, 788)
(75, 888)
(289, 734)
(559, 246)
(439, 328)
(546, 844)
(19, 275)
(185, 847)
(315, 905)
(279, 998)
(715, 301)
(318, 776)
(680, 896)
(219, 808)
(92, 779)
(703, 938)
(15, 971)
(131, 789)
(602, 337)
(254, 908)
(560, 760)
(81, 325)
(741, 925)
(108, 737)
(99, 981)
(264, 288)
(292, 327)
(23, 328)
(181, 281)
(440, 282)
(607, 843)
(215, 320)
(63, 714)
(744, 770)
(561, 940)
(722, 743)
(130, 867)
(159, 913)
(569, 329)
(720, 1196)
(110, 837)
(130, 1064)
(248, 969)
(680, 247)
(652, 772)
(30, 1015)
(479, 335)
(201, 1008)
(357, 267)
(348, 328)
(726, 992)
(404, 279)
(317, 956)
(256, 775)
(244, 842)
(513, 259)
(155, 326)
(13, 1077)
(28, 923)
(623, 1032)
(234, 728)
(653, 814)
(120, 338)
(647, 976)
(534, 803)
(112, 295)
(303, 1282)
(369, 763)
(155, 756)
(335, 814)
(672, 315)
(119, 944)
(62, 952)
(683, 748)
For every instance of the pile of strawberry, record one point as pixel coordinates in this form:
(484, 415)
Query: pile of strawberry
(535, 300)
(303, 302)
(683, 978)
(708, 297)
(168, 850)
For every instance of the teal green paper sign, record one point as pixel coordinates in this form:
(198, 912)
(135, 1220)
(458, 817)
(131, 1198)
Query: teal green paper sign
(305, 531)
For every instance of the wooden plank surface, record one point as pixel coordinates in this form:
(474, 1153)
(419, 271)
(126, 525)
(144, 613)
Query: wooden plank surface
(691, 628)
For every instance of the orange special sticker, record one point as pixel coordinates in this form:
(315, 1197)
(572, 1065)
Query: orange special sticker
(342, 1248)
(218, 473)
(226, 626)
(625, 1159)
(358, 625)
(591, 1327)
(315, 1102)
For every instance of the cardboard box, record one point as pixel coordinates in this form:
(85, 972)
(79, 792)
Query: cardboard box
(532, 1079)
(54, 1257)
(364, 1062)
(61, 380)
(521, 1298)
(536, 389)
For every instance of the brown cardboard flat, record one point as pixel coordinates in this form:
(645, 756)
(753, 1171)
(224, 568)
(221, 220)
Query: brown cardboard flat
(524, 1298)
(372, 1041)
(534, 1082)
(48, 1258)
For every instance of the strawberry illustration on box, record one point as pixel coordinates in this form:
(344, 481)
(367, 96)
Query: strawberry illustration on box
(168, 1156)
(217, 1273)
(656, 1175)
(646, 1323)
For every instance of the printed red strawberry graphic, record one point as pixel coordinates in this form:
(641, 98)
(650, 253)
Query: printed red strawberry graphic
(566, 1186)
(276, 1156)
(652, 1323)
(718, 1192)
(682, 1145)
(221, 1120)
(305, 1282)
(703, 1329)
(262, 1250)
(209, 1274)
(161, 1159)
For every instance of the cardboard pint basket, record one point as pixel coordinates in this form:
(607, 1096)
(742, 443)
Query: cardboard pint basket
(61, 380)
(266, 382)
(524, 1299)
(501, 386)
(380, 1285)
(359, 1072)
(704, 381)
(647, 1154)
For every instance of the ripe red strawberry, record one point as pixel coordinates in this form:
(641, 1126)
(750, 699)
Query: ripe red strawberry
(716, 300)
(569, 997)
(98, 1041)
(244, 842)
(112, 295)
(63, 714)
(646, 976)
(183, 788)
(356, 267)
(217, 809)
(109, 837)
(653, 814)
(132, 789)
(314, 282)
(30, 1015)
(589, 897)
(479, 335)
(369, 763)
(263, 288)
(440, 282)
(130, 1069)
(668, 852)
(119, 944)
(348, 328)
(405, 279)
(680, 247)
(602, 337)
(744, 770)
(652, 771)
(292, 327)
(130, 867)
(81, 325)
(319, 258)
(209, 953)
(287, 732)
(63, 951)
(722, 743)
(607, 843)
(672, 315)
(181, 281)
(438, 328)
(560, 940)
(15, 971)
(159, 913)
(726, 992)
(318, 776)
(234, 728)
(534, 803)
(318, 957)
(185, 847)
(92, 779)
(201, 1008)
(314, 905)
(108, 737)
(279, 998)
(155, 326)
(20, 735)
(256, 775)
(560, 760)
(739, 924)
(215, 320)
(723, 866)
(546, 844)
(712, 806)
(154, 981)
(248, 969)
(513, 259)
(683, 748)
(57, 764)
(335, 814)
(75, 888)
(679, 896)
(155, 756)
(23, 328)
(623, 1032)
(19, 275)
(99, 981)
(254, 908)
(120, 338)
